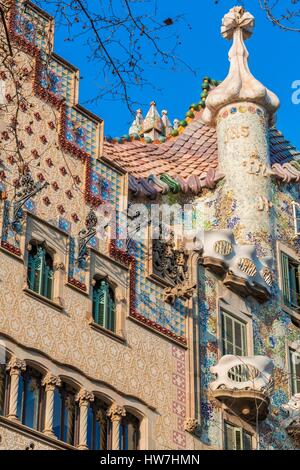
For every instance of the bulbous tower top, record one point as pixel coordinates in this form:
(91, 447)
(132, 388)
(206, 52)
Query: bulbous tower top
(240, 84)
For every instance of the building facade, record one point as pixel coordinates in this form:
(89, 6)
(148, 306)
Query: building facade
(149, 283)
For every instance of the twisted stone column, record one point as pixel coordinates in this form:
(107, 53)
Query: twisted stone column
(115, 413)
(84, 398)
(15, 367)
(50, 382)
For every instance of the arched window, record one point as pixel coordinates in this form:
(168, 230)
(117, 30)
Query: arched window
(130, 432)
(104, 304)
(40, 270)
(4, 382)
(99, 426)
(66, 414)
(31, 399)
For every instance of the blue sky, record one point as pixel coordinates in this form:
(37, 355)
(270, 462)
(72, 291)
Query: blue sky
(274, 59)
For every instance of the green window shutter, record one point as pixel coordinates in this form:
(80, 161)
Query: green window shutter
(285, 278)
(104, 305)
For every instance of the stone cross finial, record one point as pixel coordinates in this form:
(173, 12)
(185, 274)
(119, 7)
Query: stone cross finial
(237, 18)
(239, 85)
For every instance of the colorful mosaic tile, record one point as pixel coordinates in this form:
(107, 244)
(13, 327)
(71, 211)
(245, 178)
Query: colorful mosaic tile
(32, 26)
(81, 131)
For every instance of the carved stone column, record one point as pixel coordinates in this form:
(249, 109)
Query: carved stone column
(84, 399)
(115, 413)
(50, 382)
(15, 367)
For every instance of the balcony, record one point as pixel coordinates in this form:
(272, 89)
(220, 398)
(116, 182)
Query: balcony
(292, 421)
(243, 385)
(238, 265)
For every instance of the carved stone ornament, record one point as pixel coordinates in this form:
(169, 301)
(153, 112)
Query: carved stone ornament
(169, 263)
(51, 381)
(84, 397)
(85, 236)
(240, 84)
(116, 412)
(190, 425)
(16, 365)
(182, 291)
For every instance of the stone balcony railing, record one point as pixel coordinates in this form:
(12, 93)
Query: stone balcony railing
(292, 421)
(243, 385)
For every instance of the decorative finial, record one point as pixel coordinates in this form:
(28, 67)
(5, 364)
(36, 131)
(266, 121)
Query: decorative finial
(166, 122)
(237, 18)
(239, 85)
(153, 125)
(137, 125)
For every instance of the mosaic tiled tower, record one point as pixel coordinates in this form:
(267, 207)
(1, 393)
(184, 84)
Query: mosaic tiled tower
(241, 108)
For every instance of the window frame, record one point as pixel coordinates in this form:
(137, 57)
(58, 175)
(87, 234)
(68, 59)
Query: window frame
(94, 406)
(23, 396)
(283, 249)
(109, 315)
(124, 432)
(243, 433)
(225, 313)
(31, 272)
(7, 381)
(119, 281)
(296, 206)
(63, 391)
(39, 231)
(294, 378)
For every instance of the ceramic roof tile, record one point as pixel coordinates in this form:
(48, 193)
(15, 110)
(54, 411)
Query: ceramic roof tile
(192, 152)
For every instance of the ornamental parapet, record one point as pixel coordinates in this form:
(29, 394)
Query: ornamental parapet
(243, 385)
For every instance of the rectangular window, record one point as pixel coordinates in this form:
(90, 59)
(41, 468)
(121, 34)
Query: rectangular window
(295, 371)
(237, 438)
(234, 339)
(296, 214)
(290, 281)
